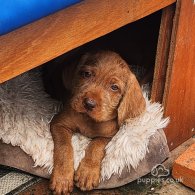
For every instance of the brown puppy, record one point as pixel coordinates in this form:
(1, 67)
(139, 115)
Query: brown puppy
(104, 93)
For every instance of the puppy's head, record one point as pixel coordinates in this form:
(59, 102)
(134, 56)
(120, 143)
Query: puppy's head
(104, 88)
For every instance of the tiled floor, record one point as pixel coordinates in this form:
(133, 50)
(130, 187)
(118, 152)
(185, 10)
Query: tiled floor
(146, 185)
(167, 186)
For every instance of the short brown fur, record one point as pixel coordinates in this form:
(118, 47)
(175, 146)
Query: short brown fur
(113, 95)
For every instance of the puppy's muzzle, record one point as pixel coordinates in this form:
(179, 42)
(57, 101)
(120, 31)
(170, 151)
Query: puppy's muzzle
(89, 104)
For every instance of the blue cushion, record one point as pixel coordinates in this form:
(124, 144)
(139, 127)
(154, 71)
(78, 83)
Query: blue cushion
(16, 13)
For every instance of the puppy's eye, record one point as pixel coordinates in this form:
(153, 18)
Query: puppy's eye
(85, 74)
(114, 87)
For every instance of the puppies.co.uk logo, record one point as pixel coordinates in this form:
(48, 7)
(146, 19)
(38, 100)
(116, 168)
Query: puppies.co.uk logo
(159, 174)
(160, 171)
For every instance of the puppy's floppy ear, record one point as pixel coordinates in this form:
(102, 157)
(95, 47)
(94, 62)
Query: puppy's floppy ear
(133, 102)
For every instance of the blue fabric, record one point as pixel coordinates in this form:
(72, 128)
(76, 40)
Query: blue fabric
(17, 13)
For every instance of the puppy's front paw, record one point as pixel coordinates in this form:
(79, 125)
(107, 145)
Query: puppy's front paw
(87, 176)
(61, 182)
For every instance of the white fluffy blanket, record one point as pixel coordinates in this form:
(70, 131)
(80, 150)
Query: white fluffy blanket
(25, 113)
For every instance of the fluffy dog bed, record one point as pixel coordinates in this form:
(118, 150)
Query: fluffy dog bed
(25, 113)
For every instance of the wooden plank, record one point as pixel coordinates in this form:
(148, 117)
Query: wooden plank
(43, 40)
(179, 96)
(162, 53)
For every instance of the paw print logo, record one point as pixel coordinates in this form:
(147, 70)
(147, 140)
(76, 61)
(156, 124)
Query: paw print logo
(160, 171)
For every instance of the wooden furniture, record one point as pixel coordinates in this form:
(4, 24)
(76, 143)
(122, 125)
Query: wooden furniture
(174, 76)
(174, 82)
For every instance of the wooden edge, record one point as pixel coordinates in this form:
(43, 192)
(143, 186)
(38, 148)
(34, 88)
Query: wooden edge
(171, 52)
(43, 40)
(162, 53)
(179, 93)
(169, 68)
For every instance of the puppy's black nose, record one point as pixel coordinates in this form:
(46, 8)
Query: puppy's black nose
(89, 103)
